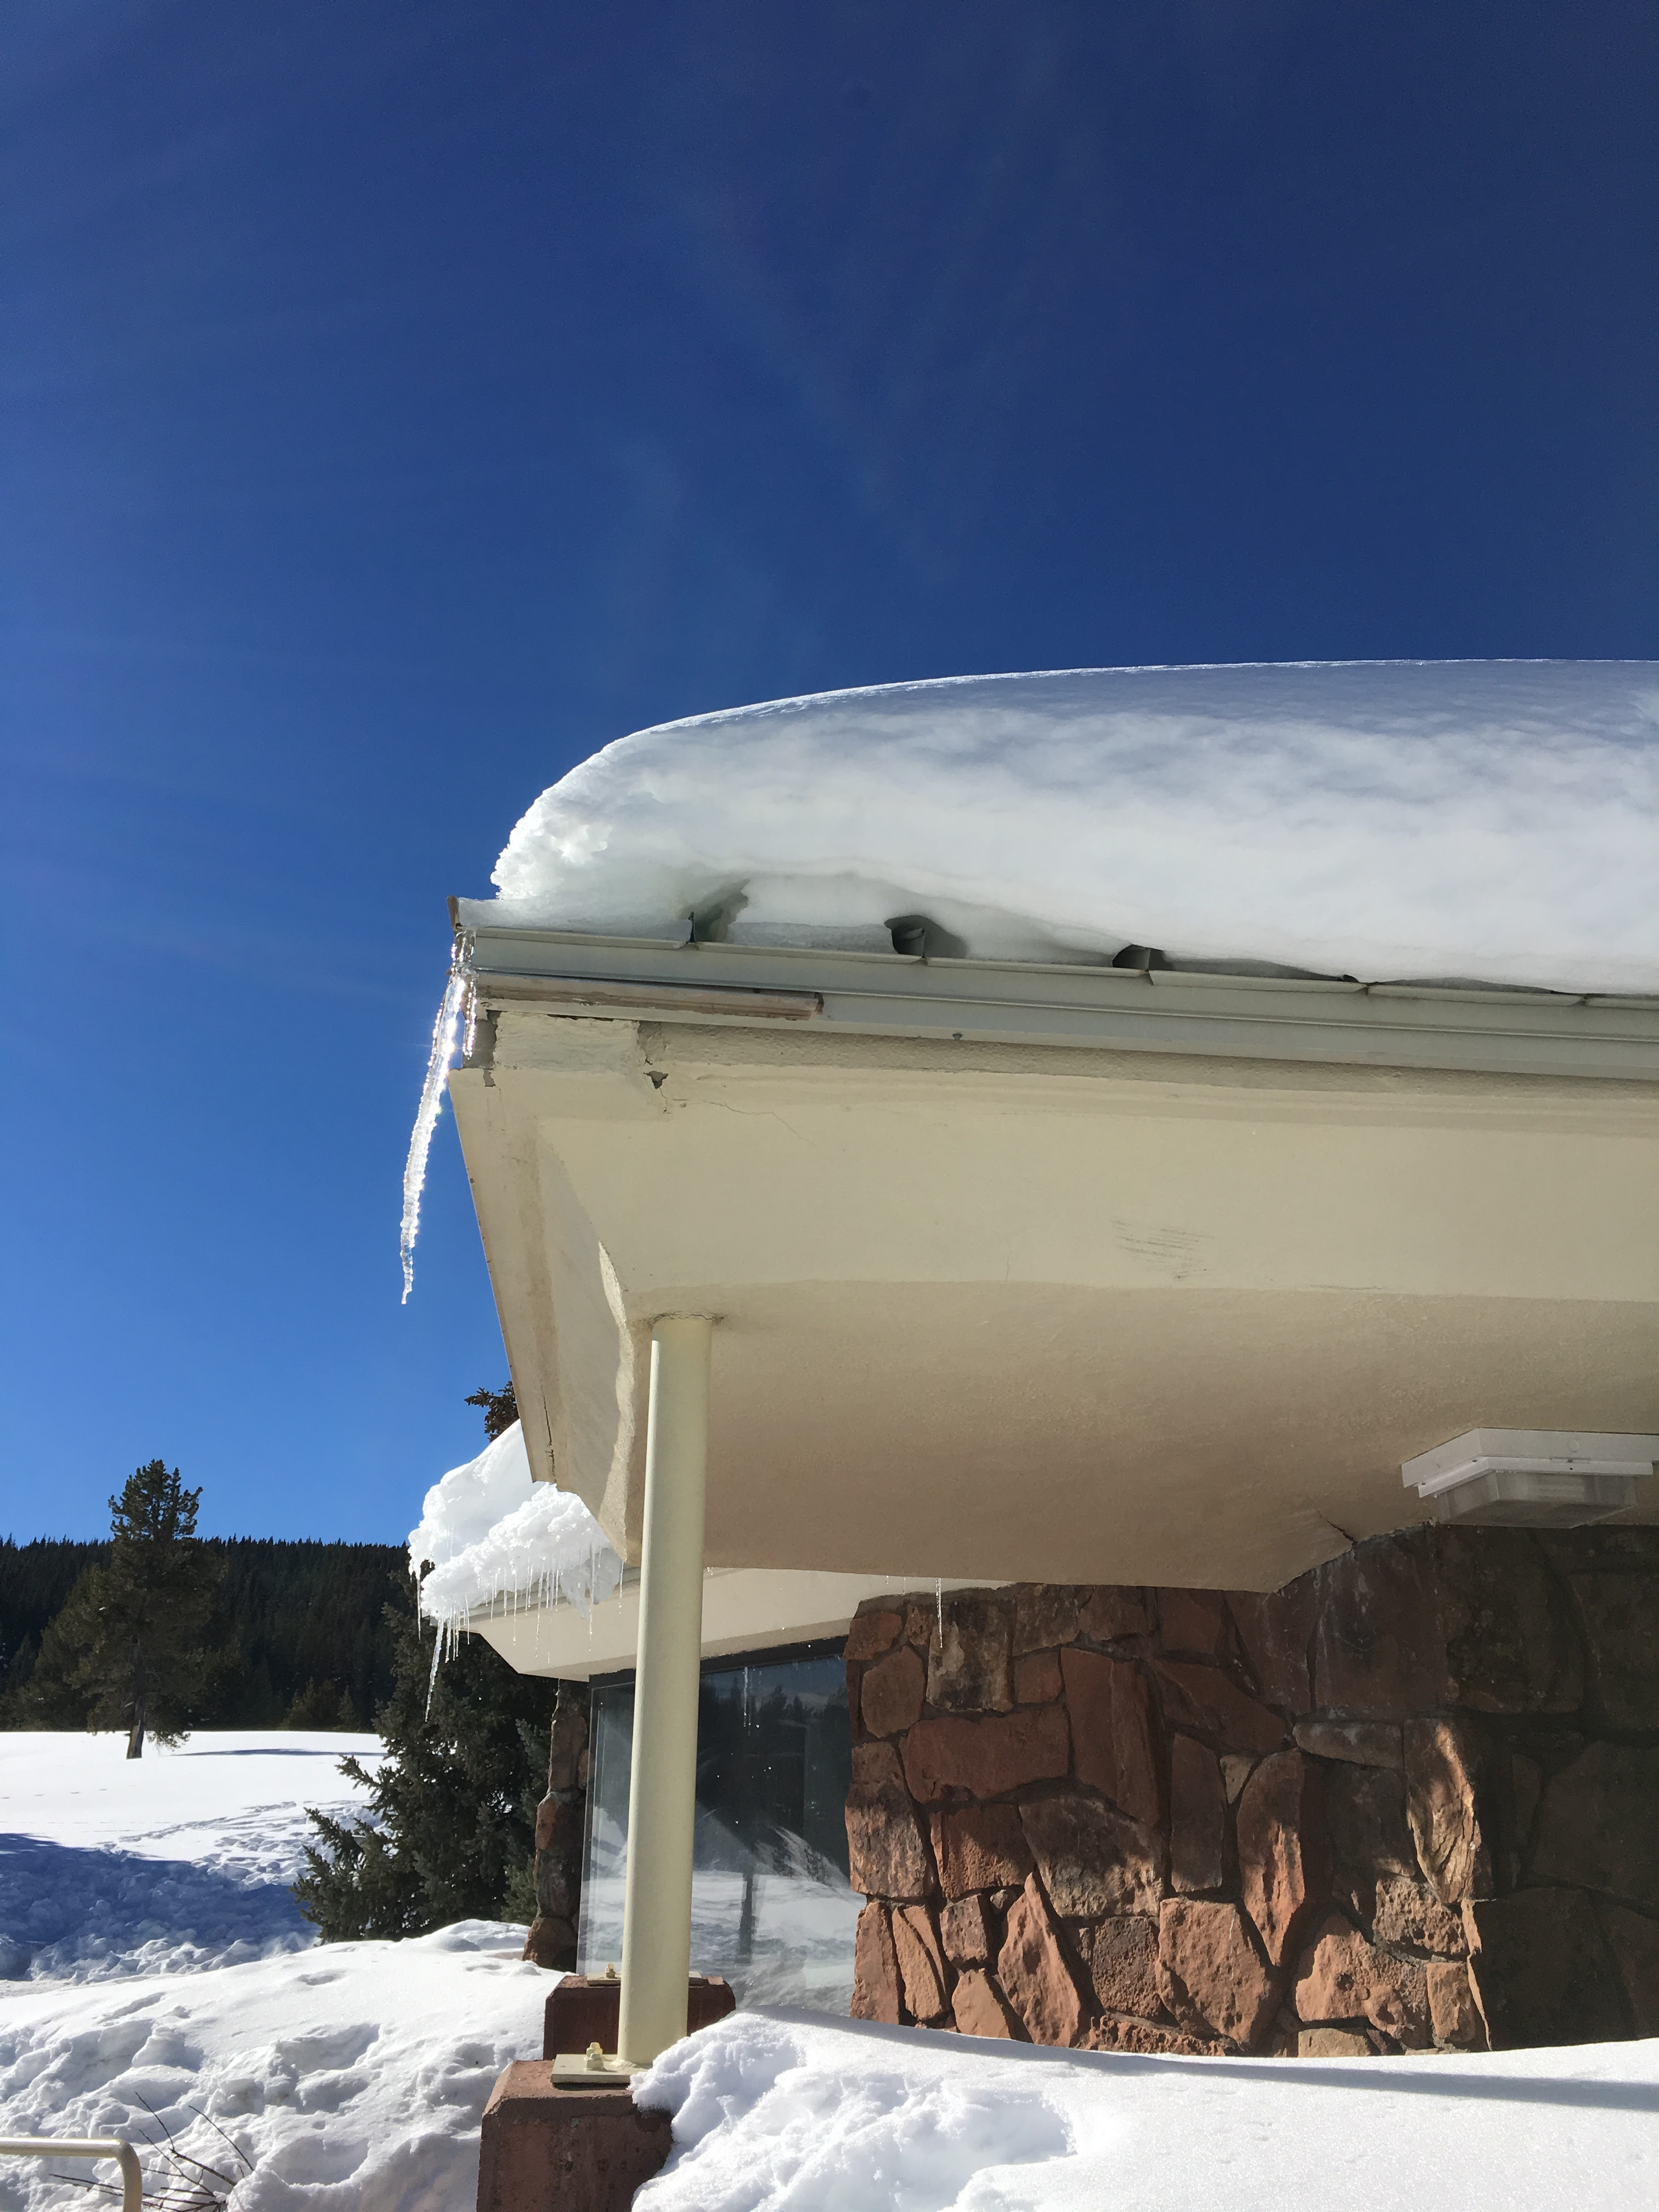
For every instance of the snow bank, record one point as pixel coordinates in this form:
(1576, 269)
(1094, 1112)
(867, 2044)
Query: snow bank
(350, 2080)
(786, 2112)
(1496, 821)
(492, 1532)
(173, 1864)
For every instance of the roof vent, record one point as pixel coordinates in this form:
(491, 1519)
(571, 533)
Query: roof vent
(1532, 1478)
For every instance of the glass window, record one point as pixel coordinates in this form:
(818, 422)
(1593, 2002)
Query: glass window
(771, 1906)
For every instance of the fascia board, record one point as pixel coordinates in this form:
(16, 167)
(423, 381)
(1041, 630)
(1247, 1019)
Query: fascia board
(984, 1001)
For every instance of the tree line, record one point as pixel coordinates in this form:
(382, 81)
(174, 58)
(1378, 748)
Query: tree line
(246, 1632)
(159, 1631)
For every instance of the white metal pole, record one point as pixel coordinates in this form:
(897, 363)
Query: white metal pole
(656, 1960)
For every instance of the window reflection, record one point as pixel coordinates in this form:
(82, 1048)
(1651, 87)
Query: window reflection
(771, 1905)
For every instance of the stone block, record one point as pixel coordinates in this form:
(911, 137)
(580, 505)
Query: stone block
(1340, 1976)
(1408, 1914)
(875, 1763)
(871, 1633)
(560, 1818)
(1036, 1975)
(1115, 1727)
(1123, 1955)
(887, 1852)
(558, 1886)
(922, 1974)
(1209, 1703)
(876, 1985)
(1599, 1823)
(1146, 2038)
(987, 1758)
(890, 1697)
(1378, 1649)
(566, 1743)
(1282, 1862)
(967, 1931)
(1275, 1632)
(1621, 1617)
(1332, 2043)
(550, 1943)
(1211, 1978)
(1540, 1970)
(922, 1621)
(1443, 1761)
(1114, 1614)
(1632, 1942)
(1453, 2013)
(1193, 1623)
(1093, 1859)
(543, 2149)
(1037, 1678)
(1198, 1817)
(980, 1847)
(1359, 1743)
(1366, 1830)
(584, 2009)
(968, 1671)
(979, 2007)
(1045, 1615)
(1510, 1642)
(1237, 1768)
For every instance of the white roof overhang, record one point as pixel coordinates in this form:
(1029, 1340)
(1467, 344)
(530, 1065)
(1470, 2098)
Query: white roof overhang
(1045, 1272)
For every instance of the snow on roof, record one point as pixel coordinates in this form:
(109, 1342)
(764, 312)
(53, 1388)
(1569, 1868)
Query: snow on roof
(1491, 821)
(490, 1532)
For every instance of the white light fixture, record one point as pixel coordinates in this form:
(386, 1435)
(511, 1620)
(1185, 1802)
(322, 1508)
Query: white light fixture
(1532, 1478)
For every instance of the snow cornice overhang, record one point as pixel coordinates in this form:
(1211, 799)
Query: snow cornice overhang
(1453, 1027)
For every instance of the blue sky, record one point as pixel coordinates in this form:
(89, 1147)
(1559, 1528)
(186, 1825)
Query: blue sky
(398, 401)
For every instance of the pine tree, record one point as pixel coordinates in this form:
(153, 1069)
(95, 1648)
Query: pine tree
(138, 1628)
(501, 1409)
(451, 1832)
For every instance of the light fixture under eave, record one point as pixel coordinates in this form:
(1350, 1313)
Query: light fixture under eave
(1532, 1478)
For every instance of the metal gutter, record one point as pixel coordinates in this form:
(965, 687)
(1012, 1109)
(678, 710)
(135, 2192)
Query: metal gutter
(1406, 1025)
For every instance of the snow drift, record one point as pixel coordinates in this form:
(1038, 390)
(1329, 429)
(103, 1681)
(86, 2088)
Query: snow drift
(1488, 820)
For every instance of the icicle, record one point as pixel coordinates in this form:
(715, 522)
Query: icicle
(431, 1678)
(939, 1599)
(458, 995)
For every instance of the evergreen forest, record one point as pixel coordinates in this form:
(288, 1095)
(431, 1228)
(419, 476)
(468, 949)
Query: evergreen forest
(303, 1635)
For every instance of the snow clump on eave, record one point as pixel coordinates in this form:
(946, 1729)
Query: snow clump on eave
(491, 1532)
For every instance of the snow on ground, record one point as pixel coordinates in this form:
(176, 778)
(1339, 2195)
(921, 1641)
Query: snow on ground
(1493, 820)
(163, 1977)
(169, 1863)
(352, 2077)
(491, 1531)
(785, 2113)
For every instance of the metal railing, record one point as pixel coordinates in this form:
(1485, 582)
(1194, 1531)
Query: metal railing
(132, 2185)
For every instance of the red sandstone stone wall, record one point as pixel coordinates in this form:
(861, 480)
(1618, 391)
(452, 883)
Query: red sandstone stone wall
(1410, 1801)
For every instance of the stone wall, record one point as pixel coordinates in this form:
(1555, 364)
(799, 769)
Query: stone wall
(1410, 1801)
(561, 1819)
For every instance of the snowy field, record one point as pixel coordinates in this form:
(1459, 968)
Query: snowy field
(180, 1859)
(320, 2078)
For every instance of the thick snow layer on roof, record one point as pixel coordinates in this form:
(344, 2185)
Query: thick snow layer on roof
(491, 1531)
(1496, 821)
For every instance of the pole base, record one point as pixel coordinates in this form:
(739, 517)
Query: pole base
(543, 2150)
(585, 2009)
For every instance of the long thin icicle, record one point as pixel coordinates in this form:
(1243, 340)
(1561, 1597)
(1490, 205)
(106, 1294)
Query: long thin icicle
(445, 1031)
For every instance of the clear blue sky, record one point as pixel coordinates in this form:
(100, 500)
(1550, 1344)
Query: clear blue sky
(400, 400)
